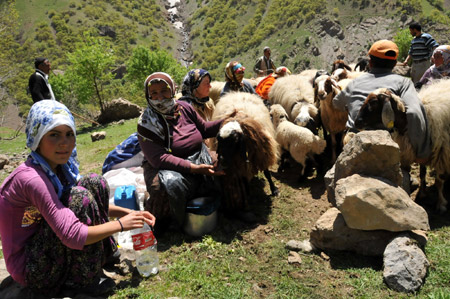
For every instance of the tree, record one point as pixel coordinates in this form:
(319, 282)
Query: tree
(89, 72)
(143, 62)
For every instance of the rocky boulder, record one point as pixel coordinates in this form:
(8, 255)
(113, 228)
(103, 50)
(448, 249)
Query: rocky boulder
(119, 109)
(4, 160)
(369, 203)
(405, 265)
(331, 232)
(96, 136)
(370, 153)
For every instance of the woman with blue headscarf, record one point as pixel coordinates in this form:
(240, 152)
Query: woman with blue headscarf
(54, 224)
(234, 79)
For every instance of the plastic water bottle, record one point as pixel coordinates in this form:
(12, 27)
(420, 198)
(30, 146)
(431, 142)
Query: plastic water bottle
(145, 250)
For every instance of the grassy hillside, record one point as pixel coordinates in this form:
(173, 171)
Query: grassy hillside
(302, 34)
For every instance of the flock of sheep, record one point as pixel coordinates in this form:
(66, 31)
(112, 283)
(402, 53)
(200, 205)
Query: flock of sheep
(253, 137)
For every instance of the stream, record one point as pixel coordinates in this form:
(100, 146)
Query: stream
(177, 21)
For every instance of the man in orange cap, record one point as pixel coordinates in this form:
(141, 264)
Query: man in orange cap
(383, 57)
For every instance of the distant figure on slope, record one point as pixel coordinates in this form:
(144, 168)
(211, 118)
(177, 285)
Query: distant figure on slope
(38, 84)
(234, 77)
(264, 65)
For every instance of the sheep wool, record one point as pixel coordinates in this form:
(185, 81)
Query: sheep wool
(296, 95)
(246, 115)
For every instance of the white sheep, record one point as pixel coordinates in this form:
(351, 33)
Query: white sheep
(390, 110)
(298, 141)
(341, 73)
(246, 142)
(333, 120)
(296, 94)
(216, 89)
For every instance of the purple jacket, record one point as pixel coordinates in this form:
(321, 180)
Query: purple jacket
(26, 196)
(188, 132)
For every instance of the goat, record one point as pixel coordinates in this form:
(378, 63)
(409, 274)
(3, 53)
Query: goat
(340, 64)
(384, 110)
(363, 65)
(333, 120)
(246, 142)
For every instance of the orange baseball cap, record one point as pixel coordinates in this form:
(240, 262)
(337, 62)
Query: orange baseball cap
(384, 49)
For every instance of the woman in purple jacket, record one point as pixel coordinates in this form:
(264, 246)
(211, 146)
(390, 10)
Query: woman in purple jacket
(54, 225)
(178, 166)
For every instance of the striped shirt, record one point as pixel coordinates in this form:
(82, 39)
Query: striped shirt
(422, 47)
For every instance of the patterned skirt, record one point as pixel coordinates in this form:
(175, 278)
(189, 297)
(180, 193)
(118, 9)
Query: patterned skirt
(50, 265)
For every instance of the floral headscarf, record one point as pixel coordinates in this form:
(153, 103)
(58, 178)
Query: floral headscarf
(444, 69)
(234, 73)
(191, 81)
(44, 116)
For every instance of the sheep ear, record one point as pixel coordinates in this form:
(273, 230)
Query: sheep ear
(387, 115)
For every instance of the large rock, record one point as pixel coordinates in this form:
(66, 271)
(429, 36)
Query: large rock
(405, 265)
(96, 136)
(119, 109)
(331, 232)
(4, 160)
(371, 153)
(374, 203)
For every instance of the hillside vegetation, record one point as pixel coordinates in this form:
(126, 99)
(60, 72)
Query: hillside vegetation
(139, 35)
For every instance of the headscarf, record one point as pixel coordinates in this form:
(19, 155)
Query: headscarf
(165, 106)
(234, 73)
(151, 117)
(44, 116)
(282, 71)
(444, 69)
(191, 81)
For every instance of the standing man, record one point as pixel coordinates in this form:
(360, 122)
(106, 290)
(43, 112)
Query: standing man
(264, 65)
(422, 47)
(38, 84)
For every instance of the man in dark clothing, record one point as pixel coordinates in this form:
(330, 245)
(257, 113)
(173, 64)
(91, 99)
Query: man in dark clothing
(38, 84)
(264, 65)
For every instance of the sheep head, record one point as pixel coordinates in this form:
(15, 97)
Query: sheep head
(230, 141)
(278, 115)
(340, 64)
(325, 85)
(339, 74)
(382, 109)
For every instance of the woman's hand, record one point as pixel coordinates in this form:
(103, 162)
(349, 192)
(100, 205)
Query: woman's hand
(136, 219)
(205, 169)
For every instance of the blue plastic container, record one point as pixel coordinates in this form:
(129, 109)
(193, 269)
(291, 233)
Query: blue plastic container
(125, 196)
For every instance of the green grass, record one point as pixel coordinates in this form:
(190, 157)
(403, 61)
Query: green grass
(33, 12)
(237, 261)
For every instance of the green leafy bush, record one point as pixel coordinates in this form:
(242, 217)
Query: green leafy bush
(403, 40)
